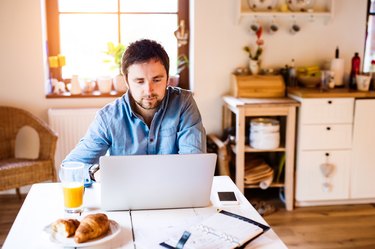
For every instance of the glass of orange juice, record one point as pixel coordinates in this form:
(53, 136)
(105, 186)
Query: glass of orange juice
(72, 177)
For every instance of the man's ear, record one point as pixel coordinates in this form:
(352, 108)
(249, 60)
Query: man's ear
(125, 79)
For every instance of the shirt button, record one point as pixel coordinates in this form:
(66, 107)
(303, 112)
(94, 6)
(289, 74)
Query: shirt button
(151, 140)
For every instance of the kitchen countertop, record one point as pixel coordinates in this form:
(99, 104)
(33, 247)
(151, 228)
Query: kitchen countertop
(331, 93)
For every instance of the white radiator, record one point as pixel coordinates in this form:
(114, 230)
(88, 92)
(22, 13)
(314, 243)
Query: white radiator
(70, 125)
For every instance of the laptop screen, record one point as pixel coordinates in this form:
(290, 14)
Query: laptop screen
(156, 181)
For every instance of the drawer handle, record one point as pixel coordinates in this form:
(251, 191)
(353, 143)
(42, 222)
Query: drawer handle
(329, 101)
(328, 128)
(327, 154)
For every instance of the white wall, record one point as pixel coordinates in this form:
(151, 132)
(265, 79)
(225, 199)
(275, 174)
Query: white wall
(217, 40)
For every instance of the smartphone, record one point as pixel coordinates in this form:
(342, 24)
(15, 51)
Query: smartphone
(228, 198)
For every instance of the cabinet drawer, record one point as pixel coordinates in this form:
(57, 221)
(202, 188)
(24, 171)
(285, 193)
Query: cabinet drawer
(310, 179)
(320, 137)
(325, 110)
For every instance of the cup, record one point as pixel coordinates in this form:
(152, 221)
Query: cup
(255, 27)
(327, 80)
(273, 28)
(72, 179)
(119, 83)
(363, 82)
(105, 84)
(295, 28)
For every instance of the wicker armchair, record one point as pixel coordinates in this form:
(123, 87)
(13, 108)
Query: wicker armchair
(17, 172)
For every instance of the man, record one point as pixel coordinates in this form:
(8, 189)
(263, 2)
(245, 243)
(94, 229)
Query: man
(150, 118)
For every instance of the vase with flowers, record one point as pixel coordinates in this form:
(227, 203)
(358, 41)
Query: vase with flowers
(254, 57)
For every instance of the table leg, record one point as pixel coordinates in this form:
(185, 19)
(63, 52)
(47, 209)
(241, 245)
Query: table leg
(240, 149)
(289, 159)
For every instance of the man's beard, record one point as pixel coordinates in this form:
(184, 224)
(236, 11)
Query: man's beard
(147, 105)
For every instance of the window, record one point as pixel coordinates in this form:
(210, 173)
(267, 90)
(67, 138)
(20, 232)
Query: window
(81, 29)
(370, 37)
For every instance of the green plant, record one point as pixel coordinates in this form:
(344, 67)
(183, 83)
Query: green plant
(259, 49)
(182, 63)
(257, 53)
(115, 52)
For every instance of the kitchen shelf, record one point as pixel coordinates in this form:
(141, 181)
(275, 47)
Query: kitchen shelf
(322, 9)
(260, 107)
(252, 150)
(94, 94)
(273, 185)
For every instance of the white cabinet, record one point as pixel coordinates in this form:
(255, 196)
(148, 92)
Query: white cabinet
(363, 167)
(313, 185)
(324, 144)
(327, 111)
(335, 160)
(321, 8)
(326, 136)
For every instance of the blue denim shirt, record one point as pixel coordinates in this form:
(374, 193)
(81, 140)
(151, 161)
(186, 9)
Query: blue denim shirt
(175, 129)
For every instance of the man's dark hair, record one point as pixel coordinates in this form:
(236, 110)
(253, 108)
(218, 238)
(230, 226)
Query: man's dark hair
(142, 51)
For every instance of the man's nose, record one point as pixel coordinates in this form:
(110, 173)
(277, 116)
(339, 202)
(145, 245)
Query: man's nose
(148, 87)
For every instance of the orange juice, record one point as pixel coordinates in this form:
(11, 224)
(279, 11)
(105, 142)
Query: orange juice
(73, 195)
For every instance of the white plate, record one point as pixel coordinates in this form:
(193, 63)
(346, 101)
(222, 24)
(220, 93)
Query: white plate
(262, 5)
(114, 229)
(300, 5)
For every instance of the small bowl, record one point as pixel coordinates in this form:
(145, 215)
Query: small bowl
(309, 81)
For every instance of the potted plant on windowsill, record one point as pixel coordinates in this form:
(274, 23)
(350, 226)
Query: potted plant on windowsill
(115, 53)
(182, 63)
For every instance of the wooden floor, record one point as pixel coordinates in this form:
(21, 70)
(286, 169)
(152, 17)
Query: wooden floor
(9, 207)
(346, 226)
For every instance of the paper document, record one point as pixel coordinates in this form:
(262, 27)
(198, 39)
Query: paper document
(223, 230)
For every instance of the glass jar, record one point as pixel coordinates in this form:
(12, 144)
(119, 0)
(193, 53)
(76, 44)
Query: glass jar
(264, 133)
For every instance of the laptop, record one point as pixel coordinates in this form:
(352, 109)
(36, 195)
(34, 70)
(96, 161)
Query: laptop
(136, 182)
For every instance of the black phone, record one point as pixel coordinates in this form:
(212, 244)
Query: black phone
(228, 198)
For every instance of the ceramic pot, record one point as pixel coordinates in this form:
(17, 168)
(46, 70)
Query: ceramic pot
(363, 82)
(254, 66)
(105, 84)
(173, 80)
(119, 83)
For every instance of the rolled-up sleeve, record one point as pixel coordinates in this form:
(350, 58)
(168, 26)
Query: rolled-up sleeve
(191, 135)
(94, 144)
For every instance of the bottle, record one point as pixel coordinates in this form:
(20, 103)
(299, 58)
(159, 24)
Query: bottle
(372, 74)
(292, 75)
(75, 86)
(285, 74)
(337, 53)
(356, 63)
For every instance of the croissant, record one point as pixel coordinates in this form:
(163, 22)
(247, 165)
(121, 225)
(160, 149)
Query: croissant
(91, 227)
(65, 227)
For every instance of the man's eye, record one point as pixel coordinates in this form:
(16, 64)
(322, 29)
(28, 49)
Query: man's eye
(157, 80)
(139, 81)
